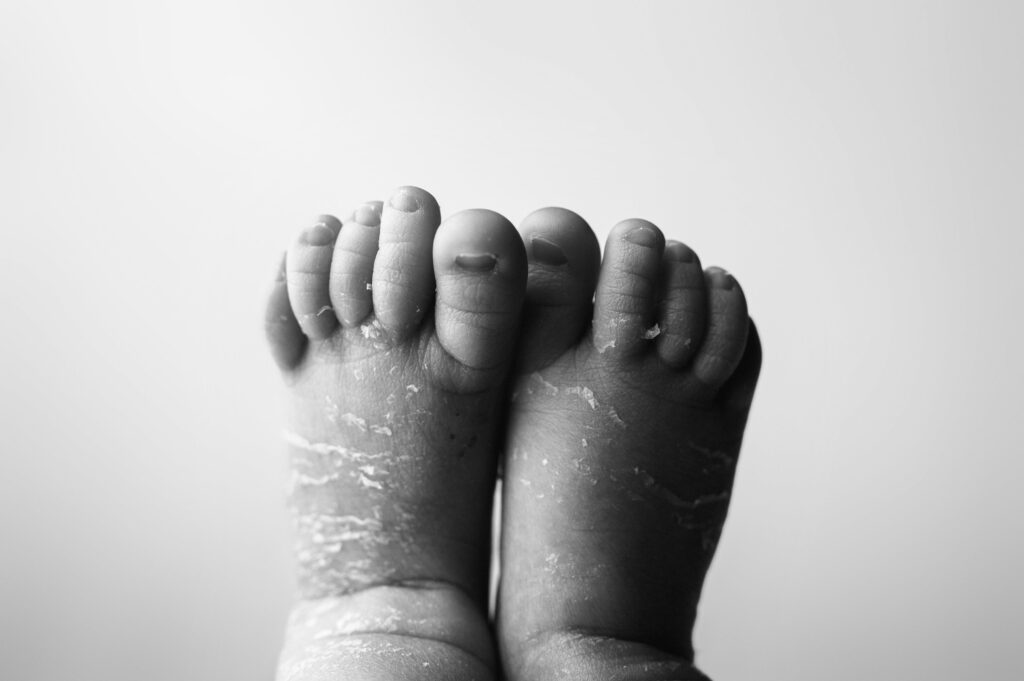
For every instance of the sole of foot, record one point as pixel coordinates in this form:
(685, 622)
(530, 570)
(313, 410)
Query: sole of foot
(395, 333)
(635, 376)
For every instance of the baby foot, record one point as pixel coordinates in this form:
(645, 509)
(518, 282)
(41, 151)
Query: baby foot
(625, 428)
(395, 398)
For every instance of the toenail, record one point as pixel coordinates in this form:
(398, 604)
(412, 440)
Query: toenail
(318, 235)
(721, 279)
(404, 201)
(680, 253)
(547, 252)
(476, 262)
(333, 223)
(367, 215)
(643, 236)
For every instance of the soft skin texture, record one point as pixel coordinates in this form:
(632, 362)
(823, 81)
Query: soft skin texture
(395, 400)
(625, 427)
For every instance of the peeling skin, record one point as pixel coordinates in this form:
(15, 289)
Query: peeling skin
(331, 410)
(303, 480)
(350, 419)
(374, 332)
(354, 622)
(336, 529)
(326, 449)
(370, 484)
(673, 499)
(325, 536)
(583, 467)
(716, 454)
(369, 470)
(615, 323)
(584, 393)
(536, 380)
(316, 447)
(615, 418)
(345, 454)
(573, 566)
(336, 553)
(652, 332)
(581, 391)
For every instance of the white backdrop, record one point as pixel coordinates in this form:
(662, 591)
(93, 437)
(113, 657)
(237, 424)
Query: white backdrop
(858, 168)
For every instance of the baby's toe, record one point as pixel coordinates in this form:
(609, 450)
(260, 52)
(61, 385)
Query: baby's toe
(625, 301)
(564, 259)
(308, 266)
(403, 278)
(684, 306)
(726, 336)
(738, 391)
(286, 339)
(480, 266)
(352, 266)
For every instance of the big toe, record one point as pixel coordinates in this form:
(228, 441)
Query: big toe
(564, 259)
(480, 267)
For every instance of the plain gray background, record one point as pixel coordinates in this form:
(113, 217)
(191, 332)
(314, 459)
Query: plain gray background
(858, 166)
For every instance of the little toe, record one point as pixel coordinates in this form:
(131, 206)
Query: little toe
(286, 339)
(738, 391)
(352, 265)
(684, 306)
(564, 260)
(480, 265)
(625, 301)
(726, 336)
(403, 278)
(308, 266)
